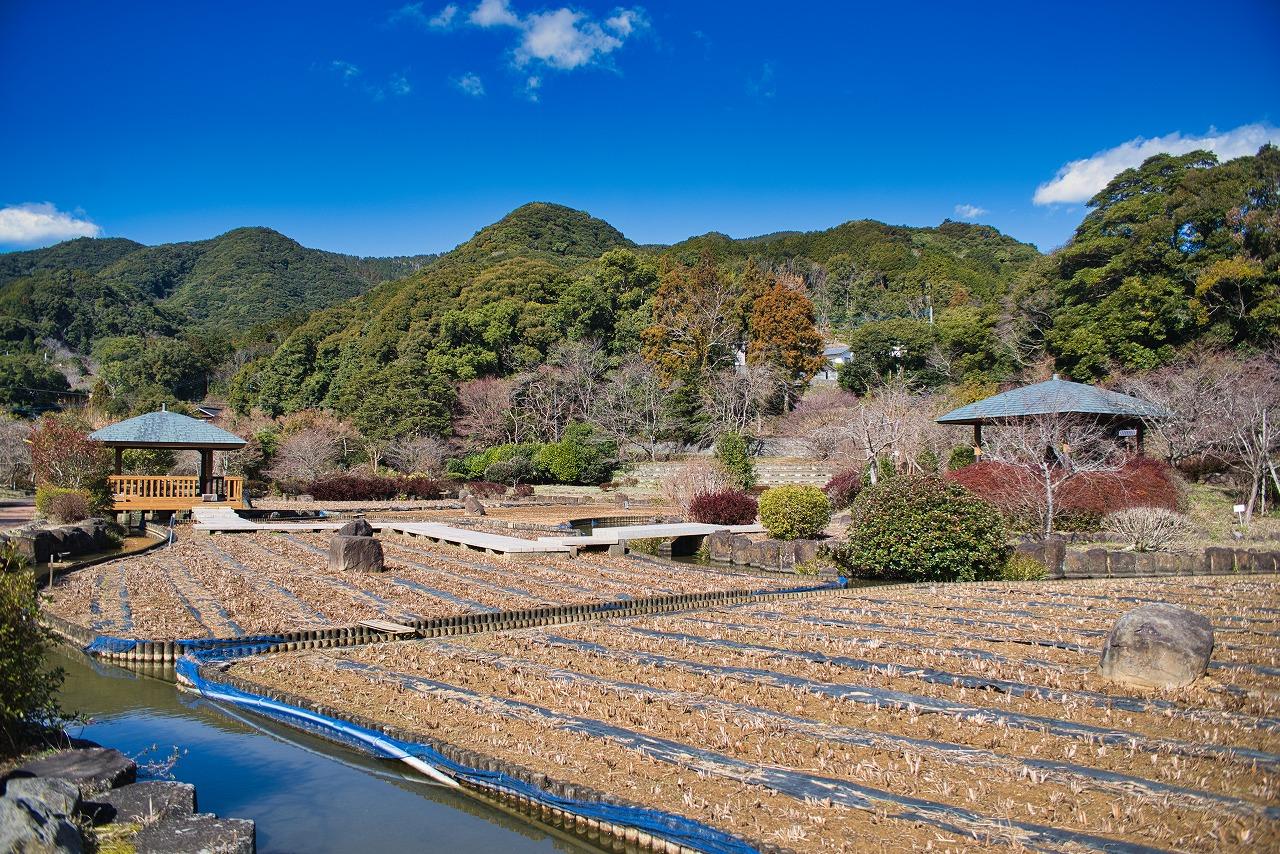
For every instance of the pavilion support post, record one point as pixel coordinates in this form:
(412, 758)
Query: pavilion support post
(119, 460)
(206, 470)
(977, 441)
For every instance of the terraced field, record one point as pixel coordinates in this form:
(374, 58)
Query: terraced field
(951, 718)
(232, 585)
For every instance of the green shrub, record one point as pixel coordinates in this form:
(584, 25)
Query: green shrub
(580, 457)
(735, 456)
(473, 466)
(924, 529)
(65, 506)
(961, 456)
(794, 512)
(1021, 567)
(28, 692)
(515, 470)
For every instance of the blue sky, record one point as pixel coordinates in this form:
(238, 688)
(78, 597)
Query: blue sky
(386, 128)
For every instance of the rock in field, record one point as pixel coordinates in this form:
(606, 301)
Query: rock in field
(473, 505)
(144, 802)
(1158, 646)
(355, 554)
(356, 528)
(30, 826)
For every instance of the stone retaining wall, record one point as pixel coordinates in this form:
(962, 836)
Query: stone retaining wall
(1063, 562)
(775, 555)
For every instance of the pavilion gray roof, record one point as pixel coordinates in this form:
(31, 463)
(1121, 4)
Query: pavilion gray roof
(1050, 396)
(166, 430)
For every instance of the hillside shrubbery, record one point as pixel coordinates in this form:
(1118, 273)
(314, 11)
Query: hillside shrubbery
(843, 488)
(28, 691)
(348, 486)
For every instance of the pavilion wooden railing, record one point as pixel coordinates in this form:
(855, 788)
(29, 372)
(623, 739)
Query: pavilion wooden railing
(165, 492)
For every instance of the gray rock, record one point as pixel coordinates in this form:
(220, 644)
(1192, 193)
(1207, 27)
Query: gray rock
(93, 770)
(143, 802)
(1158, 646)
(356, 528)
(197, 834)
(61, 796)
(355, 554)
(473, 506)
(32, 827)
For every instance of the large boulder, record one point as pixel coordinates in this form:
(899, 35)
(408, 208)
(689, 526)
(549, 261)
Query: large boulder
(144, 802)
(92, 770)
(472, 505)
(355, 554)
(196, 834)
(1158, 646)
(31, 826)
(61, 796)
(356, 528)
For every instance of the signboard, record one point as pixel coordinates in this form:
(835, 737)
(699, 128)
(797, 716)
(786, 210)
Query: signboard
(1129, 433)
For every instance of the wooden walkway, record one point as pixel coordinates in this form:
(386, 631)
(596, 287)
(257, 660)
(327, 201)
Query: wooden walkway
(225, 520)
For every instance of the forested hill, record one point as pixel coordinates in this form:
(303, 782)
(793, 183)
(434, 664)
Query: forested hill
(96, 298)
(500, 303)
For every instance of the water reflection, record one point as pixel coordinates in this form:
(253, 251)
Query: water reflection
(306, 794)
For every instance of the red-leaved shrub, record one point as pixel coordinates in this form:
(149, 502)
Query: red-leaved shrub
(843, 488)
(421, 487)
(352, 487)
(522, 490)
(1083, 500)
(726, 507)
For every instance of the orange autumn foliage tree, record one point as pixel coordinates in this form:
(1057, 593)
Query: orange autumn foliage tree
(783, 335)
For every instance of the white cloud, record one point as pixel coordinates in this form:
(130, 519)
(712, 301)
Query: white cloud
(969, 211)
(531, 86)
(412, 12)
(1080, 180)
(397, 84)
(34, 223)
(347, 70)
(494, 13)
(471, 84)
(564, 39)
(445, 16)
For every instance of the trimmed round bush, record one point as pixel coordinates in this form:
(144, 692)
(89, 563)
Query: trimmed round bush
(843, 488)
(924, 529)
(794, 512)
(726, 507)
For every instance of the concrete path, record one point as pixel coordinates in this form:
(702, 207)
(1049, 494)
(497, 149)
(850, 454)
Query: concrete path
(613, 536)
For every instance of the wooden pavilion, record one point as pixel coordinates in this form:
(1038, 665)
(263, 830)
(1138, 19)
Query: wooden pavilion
(172, 431)
(1123, 415)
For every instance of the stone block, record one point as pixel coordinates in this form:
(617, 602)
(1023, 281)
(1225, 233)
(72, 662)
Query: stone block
(770, 554)
(144, 802)
(356, 528)
(1245, 561)
(1095, 563)
(804, 551)
(1222, 561)
(473, 506)
(92, 770)
(1158, 646)
(355, 554)
(618, 549)
(1122, 564)
(720, 546)
(62, 797)
(31, 827)
(741, 550)
(197, 834)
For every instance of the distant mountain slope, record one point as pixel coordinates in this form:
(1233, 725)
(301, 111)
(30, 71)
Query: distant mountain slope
(87, 288)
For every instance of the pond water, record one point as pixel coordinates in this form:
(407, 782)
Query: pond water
(306, 794)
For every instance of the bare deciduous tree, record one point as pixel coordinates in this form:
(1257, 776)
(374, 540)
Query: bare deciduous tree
(15, 452)
(417, 454)
(632, 407)
(1051, 451)
(738, 399)
(306, 454)
(484, 413)
(694, 477)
